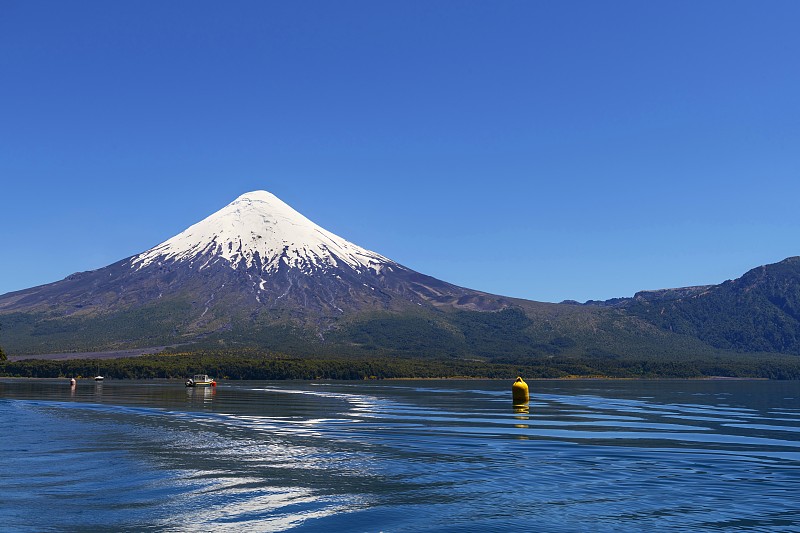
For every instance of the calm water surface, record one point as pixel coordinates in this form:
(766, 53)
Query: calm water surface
(400, 456)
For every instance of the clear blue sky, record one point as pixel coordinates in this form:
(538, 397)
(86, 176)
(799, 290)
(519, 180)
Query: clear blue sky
(548, 150)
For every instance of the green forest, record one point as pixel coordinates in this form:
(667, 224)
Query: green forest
(256, 365)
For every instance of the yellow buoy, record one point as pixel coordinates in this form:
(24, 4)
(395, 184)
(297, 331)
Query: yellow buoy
(519, 391)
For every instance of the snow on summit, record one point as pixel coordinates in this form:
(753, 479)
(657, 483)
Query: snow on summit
(258, 229)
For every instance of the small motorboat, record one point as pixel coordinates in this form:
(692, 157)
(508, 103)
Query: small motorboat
(200, 380)
(98, 378)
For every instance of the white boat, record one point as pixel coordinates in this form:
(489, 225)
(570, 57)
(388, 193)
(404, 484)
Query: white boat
(98, 378)
(200, 380)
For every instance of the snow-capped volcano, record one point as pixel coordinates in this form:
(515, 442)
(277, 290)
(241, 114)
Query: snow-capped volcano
(253, 263)
(259, 231)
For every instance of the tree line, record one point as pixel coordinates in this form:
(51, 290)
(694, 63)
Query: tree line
(253, 365)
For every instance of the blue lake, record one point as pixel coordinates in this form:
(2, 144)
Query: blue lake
(400, 456)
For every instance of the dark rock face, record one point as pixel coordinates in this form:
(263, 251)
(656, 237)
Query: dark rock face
(670, 294)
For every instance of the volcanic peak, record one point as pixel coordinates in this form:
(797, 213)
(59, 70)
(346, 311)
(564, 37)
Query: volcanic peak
(259, 230)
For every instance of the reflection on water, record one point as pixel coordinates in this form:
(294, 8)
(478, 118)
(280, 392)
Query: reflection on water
(202, 395)
(402, 456)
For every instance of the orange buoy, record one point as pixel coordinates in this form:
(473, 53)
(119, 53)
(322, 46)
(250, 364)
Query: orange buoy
(519, 392)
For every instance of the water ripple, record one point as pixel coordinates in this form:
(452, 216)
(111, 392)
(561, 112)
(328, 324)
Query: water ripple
(402, 456)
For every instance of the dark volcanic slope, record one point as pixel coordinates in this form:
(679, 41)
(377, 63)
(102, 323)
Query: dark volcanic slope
(121, 286)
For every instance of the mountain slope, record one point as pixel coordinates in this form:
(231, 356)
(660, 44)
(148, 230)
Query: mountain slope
(758, 312)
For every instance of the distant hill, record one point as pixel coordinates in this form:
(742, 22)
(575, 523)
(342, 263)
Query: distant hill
(758, 312)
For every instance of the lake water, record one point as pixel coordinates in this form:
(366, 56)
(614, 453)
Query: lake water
(400, 456)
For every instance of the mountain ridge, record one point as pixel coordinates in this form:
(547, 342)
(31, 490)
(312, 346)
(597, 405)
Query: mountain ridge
(759, 311)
